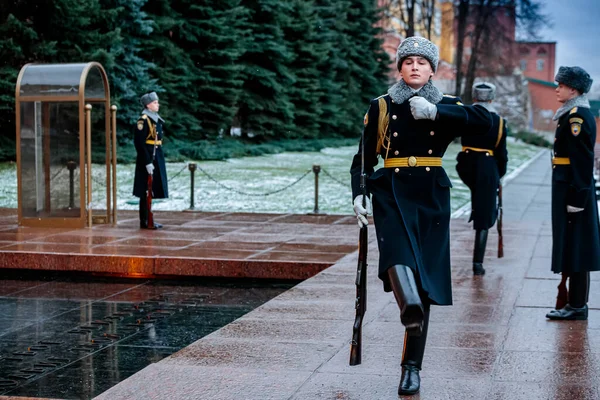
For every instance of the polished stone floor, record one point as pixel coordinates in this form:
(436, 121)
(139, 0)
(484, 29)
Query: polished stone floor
(493, 343)
(74, 338)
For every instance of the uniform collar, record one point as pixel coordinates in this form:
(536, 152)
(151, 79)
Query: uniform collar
(153, 116)
(579, 101)
(401, 92)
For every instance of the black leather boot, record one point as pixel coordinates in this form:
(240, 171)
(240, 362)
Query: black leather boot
(577, 309)
(412, 359)
(406, 292)
(479, 251)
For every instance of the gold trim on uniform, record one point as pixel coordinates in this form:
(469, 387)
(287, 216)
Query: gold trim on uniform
(382, 125)
(465, 148)
(576, 120)
(412, 161)
(459, 103)
(561, 161)
(573, 110)
(158, 142)
(500, 129)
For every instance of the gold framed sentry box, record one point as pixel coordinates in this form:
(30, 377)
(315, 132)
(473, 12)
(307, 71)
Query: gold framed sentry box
(58, 107)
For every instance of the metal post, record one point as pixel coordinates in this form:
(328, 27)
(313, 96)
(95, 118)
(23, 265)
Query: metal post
(316, 169)
(88, 138)
(192, 168)
(71, 167)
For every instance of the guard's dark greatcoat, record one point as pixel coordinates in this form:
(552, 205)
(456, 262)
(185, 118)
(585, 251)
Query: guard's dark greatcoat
(411, 205)
(481, 171)
(575, 236)
(146, 130)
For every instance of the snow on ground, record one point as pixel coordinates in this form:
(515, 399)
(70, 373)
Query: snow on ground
(251, 178)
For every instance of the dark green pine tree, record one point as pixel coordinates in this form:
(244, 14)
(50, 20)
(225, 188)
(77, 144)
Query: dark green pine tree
(265, 110)
(173, 68)
(129, 76)
(310, 51)
(333, 100)
(214, 35)
(19, 45)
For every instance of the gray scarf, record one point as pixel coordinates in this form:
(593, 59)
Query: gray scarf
(579, 101)
(153, 116)
(401, 92)
(488, 106)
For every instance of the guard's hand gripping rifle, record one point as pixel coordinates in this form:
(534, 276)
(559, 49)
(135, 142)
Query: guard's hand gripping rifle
(361, 273)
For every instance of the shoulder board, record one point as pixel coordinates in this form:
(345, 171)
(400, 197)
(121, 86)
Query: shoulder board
(459, 103)
(449, 95)
(573, 110)
(144, 116)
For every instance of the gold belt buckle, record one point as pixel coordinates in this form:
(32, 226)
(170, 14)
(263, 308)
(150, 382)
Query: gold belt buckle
(412, 161)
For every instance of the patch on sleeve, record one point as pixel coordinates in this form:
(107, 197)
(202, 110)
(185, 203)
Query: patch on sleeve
(573, 110)
(140, 125)
(575, 128)
(366, 119)
(575, 120)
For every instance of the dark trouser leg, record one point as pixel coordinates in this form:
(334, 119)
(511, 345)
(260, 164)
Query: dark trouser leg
(579, 289)
(406, 292)
(143, 211)
(479, 251)
(412, 358)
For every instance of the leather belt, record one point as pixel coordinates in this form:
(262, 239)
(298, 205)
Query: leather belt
(561, 161)
(151, 142)
(412, 161)
(465, 148)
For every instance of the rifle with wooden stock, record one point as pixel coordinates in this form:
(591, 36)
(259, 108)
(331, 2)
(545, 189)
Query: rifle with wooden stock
(563, 294)
(361, 273)
(499, 224)
(149, 193)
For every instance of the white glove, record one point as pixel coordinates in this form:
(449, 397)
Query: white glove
(150, 168)
(422, 109)
(571, 209)
(360, 211)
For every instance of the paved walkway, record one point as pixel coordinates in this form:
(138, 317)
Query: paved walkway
(494, 343)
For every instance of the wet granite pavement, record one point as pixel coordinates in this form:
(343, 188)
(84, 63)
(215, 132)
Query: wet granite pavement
(493, 343)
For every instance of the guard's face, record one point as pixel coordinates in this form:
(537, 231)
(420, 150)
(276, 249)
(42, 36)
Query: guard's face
(154, 106)
(564, 93)
(416, 71)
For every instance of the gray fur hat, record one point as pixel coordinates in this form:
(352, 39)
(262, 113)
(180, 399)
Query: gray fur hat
(574, 77)
(483, 91)
(148, 98)
(418, 46)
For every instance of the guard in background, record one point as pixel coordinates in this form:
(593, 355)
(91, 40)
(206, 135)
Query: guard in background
(148, 137)
(481, 164)
(575, 230)
(410, 128)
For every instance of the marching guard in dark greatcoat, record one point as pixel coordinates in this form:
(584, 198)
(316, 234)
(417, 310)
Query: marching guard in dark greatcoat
(148, 138)
(575, 229)
(410, 128)
(480, 165)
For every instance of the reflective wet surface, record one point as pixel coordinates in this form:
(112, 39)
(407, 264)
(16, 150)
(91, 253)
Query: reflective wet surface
(74, 338)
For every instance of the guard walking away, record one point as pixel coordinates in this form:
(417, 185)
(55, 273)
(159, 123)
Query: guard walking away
(148, 140)
(410, 128)
(575, 230)
(481, 164)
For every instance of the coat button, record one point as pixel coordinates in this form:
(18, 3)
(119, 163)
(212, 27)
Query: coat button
(393, 101)
(430, 151)
(558, 126)
(554, 166)
(395, 134)
(394, 117)
(466, 151)
(487, 154)
(397, 170)
(555, 139)
(427, 169)
(554, 153)
(396, 152)
(432, 133)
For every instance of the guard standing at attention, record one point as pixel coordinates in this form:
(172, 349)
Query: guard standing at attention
(410, 128)
(575, 229)
(148, 140)
(481, 164)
